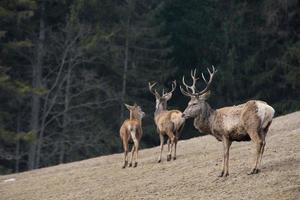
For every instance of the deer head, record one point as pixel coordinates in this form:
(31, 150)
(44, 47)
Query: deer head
(161, 100)
(135, 111)
(197, 103)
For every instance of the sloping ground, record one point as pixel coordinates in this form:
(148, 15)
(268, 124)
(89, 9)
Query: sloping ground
(192, 176)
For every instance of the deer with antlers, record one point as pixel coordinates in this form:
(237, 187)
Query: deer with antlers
(168, 122)
(132, 128)
(244, 122)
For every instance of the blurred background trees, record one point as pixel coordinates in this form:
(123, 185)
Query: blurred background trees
(68, 66)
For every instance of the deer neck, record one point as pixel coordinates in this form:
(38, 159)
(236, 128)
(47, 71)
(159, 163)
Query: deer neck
(160, 108)
(203, 122)
(131, 116)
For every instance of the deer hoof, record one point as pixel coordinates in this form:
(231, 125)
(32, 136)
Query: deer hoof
(253, 171)
(135, 164)
(169, 158)
(174, 158)
(159, 161)
(130, 165)
(221, 174)
(125, 164)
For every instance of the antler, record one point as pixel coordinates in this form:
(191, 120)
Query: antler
(172, 90)
(208, 83)
(192, 88)
(155, 93)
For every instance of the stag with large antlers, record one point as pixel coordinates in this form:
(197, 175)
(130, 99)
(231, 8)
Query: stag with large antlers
(245, 122)
(132, 128)
(168, 122)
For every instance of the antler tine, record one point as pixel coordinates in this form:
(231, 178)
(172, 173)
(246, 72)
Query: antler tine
(184, 83)
(193, 72)
(213, 70)
(151, 86)
(193, 86)
(208, 71)
(208, 83)
(190, 89)
(174, 84)
(195, 78)
(185, 92)
(155, 93)
(203, 77)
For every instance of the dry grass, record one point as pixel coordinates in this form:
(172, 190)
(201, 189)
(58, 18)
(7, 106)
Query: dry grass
(192, 176)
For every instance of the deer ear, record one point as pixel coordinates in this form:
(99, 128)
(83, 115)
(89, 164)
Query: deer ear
(128, 106)
(168, 96)
(205, 95)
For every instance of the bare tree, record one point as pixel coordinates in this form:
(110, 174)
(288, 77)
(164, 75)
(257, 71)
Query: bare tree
(130, 9)
(36, 84)
(67, 85)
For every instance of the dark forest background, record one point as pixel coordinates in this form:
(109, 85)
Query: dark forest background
(67, 67)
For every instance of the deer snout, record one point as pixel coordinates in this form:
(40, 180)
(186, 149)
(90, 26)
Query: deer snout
(184, 116)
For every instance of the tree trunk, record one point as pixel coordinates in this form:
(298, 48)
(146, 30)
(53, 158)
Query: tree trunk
(37, 83)
(18, 144)
(65, 117)
(125, 68)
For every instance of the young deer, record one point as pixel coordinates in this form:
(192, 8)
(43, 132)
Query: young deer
(245, 122)
(168, 122)
(132, 128)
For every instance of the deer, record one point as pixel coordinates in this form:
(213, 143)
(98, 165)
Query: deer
(132, 128)
(168, 122)
(245, 122)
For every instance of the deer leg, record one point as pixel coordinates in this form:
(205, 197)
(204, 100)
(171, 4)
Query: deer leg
(261, 153)
(132, 153)
(125, 146)
(259, 148)
(263, 137)
(223, 162)
(136, 144)
(175, 147)
(161, 137)
(168, 142)
(226, 146)
(169, 157)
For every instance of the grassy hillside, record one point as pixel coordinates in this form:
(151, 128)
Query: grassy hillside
(192, 176)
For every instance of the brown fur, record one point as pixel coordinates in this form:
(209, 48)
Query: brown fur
(132, 128)
(245, 122)
(236, 123)
(168, 122)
